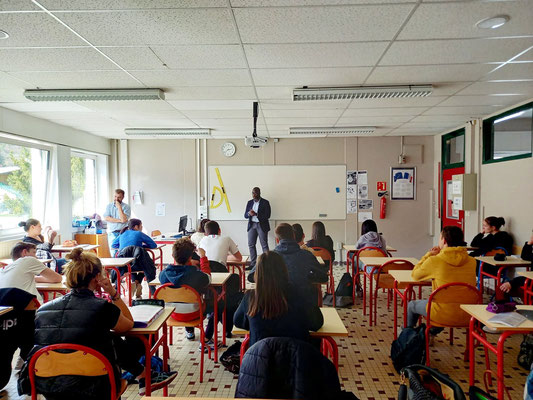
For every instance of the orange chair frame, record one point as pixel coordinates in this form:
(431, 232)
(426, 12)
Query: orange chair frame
(356, 278)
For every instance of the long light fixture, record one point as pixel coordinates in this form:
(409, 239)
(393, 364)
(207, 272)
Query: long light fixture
(93, 94)
(168, 132)
(360, 92)
(332, 132)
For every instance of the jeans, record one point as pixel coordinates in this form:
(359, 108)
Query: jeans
(415, 309)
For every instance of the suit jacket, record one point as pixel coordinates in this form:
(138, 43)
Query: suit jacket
(263, 214)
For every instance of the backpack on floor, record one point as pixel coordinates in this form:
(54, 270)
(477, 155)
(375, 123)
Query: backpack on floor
(409, 348)
(428, 384)
(231, 358)
(343, 293)
(525, 356)
(477, 394)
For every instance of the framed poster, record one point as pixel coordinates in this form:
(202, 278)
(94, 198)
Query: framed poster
(403, 183)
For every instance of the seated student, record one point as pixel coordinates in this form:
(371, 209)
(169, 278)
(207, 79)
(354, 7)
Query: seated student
(491, 237)
(299, 237)
(26, 270)
(514, 287)
(33, 230)
(183, 273)
(370, 237)
(200, 233)
(132, 235)
(320, 239)
(448, 262)
(275, 307)
(219, 248)
(81, 318)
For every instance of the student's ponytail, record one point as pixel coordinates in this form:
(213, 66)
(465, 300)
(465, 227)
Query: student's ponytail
(28, 223)
(82, 268)
(496, 222)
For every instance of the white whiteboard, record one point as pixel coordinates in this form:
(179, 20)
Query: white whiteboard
(295, 192)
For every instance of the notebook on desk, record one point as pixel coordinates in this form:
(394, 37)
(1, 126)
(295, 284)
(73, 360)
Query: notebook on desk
(144, 314)
(512, 319)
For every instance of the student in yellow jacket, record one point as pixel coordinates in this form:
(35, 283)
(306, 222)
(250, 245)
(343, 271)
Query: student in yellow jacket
(448, 262)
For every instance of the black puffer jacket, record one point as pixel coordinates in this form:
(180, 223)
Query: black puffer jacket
(143, 262)
(285, 368)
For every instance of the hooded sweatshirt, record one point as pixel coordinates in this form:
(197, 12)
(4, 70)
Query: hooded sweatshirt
(452, 264)
(373, 239)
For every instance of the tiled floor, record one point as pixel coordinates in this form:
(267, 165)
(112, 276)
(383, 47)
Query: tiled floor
(365, 366)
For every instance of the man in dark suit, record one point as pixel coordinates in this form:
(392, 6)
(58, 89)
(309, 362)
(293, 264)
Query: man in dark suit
(257, 212)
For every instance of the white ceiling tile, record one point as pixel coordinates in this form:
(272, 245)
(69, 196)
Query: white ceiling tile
(157, 123)
(8, 81)
(310, 113)
(522, 70)
(245, 123)
(210, 93)
(374, 120)
(154, 27)
(17, 5)
(80, 79)
(206, 56)
(128, 4)
(527, 56)
(310, 76)
(415, 132)
(63, 106)
(71, 116)
(472, 111)
(446, 89)
(407, 102)
(134, 58)
(370, 112)
(218, 113)
(524, 87)
(135, 106)
(274, 92)
(63, 59)
(302, 105)
(213, 104)
(192, 77)
(433, 124)
(35, 29)
(457, 20)
(444, 119)
(314, 55)
(320, 24)
(454, 51)
(482, 100)
(293, 3)
(12, 95)
(297, 121)
(428, 74)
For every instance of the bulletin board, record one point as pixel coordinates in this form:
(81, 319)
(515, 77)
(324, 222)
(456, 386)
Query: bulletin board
(403, 183)
(295, 192)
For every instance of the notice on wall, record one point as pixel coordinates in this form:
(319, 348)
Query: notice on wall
(457, 203)
(403, 183)
(363, 216)
(351, 177)
(456, 187)
(351, 192)
(366, 204)
(362, 191)
(351, 206)
(362, 178)
(160, 209)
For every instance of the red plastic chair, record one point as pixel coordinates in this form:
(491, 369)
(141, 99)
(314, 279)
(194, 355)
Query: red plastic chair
(369, 251)
(385, 281)
(326, 256)
(185, 294)
(449, 294)
(83, 361)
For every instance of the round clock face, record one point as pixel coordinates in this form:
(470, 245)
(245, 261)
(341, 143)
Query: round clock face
(228, 149)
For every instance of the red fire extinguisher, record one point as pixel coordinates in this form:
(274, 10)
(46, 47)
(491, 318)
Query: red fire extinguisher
(382, 205)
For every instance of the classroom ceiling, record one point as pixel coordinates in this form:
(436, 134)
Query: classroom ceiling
(215, 58)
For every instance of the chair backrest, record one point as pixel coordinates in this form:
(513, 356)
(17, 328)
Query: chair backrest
(455, 294)
(369, 251)
(82, 361)
(395, 265)
(183, 294)
(155, 233)
(322, 253)
(496, 250)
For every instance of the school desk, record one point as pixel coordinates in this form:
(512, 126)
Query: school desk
(241, 267)
(67, 249)
(528, 286)
(333, 326)
(115, 264)
(5, 309)
(509, 262)
(159, 257)
(403, 279)
(46, 288)
(152, 340)
(480, 315)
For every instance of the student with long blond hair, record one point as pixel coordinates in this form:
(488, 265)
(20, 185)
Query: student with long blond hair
(275, 308)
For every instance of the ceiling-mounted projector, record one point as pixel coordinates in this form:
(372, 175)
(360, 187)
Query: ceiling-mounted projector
(255, 141)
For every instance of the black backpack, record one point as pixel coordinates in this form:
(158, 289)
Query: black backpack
(231, 358)
(525, 356)
(343, 293)
(409, 348)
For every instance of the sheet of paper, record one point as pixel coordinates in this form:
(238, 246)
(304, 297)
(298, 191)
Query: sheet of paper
(351, 206)
(366, 204)
(362, 178)
(363, 216)
(160, 209)
(351, 192)
(456, 187)
(457, 203)
(362, 191)
(351, 177)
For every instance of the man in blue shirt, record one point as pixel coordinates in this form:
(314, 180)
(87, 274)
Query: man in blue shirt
(116, 214)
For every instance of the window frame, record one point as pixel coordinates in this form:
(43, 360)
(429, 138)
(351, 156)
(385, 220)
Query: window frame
(444, 149)
(488, 137)
(92, 156)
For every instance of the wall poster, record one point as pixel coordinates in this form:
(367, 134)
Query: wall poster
(403, 183)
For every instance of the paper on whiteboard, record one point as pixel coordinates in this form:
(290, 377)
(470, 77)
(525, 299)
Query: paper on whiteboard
(351, 206)
(160, 209)
(363, 216)
(362, 192)
(351, 192)
(362, 178)
(366, 204)
(456, 187)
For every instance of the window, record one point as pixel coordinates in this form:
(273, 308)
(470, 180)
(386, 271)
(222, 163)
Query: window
(453, 149)
(84, 189)
(508, 136)
(24, 175)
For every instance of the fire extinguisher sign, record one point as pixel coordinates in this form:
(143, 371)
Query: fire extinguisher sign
(382, 186)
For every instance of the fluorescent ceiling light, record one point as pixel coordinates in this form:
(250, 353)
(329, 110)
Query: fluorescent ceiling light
(493, 22)
(332, 132)
(4, 34)
(509, 117)
(176, 132)
(93, 94)
(360, 92)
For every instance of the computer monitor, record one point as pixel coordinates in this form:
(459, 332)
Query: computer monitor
(183, 224)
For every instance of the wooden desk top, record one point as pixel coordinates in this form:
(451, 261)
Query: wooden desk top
(242, 262)
(509, 262)
(333, 325)
(48, 287)
(5, 310)
(479, 312)
(378, 261)
(116, 262)
(154, 327)
(404, 276)
(85, 247)
(351, 247)
(527, 274)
